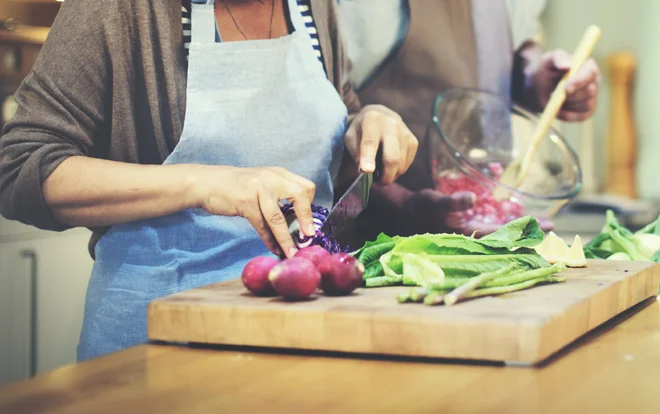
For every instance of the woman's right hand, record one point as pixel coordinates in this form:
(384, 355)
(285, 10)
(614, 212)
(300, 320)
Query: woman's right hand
(255, 194)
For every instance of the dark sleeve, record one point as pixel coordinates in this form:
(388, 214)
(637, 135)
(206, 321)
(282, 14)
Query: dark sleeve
(61, 111)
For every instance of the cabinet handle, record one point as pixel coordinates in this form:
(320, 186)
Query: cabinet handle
(32, 256)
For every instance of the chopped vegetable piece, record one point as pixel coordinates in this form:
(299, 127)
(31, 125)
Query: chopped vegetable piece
(320, 214)
(403, 297)
(553, 249)
(576, 256)
(434, 299)
(418, 295)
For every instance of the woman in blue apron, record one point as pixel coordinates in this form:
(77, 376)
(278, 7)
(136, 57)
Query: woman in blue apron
(250, 104)
(263, 123)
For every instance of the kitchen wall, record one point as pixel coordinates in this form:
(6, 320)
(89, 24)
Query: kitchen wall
(626, 25)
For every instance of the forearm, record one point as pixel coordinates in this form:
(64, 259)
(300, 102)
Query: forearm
(525, 59)
(91, 192)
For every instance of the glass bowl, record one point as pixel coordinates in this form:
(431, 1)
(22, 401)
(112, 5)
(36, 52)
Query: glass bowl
(475, 135)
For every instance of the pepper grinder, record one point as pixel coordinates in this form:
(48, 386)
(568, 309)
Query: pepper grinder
(621, 140)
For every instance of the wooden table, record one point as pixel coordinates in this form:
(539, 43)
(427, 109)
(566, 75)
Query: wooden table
(615, 369)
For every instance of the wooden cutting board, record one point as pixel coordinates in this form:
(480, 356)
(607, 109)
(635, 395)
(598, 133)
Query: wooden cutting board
(523, 327)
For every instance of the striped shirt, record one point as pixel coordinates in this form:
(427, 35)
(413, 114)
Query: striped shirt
(303, 8)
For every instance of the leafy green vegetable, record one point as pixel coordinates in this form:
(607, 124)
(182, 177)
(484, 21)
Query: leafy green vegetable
(616, 242)
(418, 270)
(656, 257)
(371, 251)
(646, 243)
(619, 256)
(597, 253)
(621, 236)
(598, 240)
(522, 232)
(443, 262)
(460, 266)
(375, 269)
(651, 228)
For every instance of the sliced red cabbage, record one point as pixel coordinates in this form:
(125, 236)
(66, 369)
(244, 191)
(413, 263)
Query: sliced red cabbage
(319, 214)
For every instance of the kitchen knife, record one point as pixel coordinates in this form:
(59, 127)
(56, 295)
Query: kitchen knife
(349, 206)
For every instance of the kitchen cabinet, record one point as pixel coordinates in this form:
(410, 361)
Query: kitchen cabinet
(43, 280)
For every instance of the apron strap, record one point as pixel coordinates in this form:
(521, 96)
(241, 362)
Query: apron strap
(203, 21)
(296, 17)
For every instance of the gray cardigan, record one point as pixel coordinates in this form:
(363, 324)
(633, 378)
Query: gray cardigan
(110, 83)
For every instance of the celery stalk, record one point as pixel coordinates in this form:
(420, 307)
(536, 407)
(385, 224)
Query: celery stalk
(517, 277)
(403, 297)
(382, 281)
(418, 295)
(499, 290)
(475, 282)
(434, 299)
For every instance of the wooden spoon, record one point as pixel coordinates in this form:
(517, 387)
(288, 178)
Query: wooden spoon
(515, 173)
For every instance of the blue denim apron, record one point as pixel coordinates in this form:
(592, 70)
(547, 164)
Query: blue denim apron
(249, 104)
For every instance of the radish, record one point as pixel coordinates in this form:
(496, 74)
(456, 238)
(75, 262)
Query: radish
(313, 253)
(295, 278)
(255, 275)
(341, 274)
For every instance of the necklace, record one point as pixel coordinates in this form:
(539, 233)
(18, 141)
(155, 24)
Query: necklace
(272, 10)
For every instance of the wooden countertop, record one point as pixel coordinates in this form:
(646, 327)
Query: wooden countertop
(615, 369)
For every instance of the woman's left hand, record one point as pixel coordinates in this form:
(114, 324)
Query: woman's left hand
(377, 126)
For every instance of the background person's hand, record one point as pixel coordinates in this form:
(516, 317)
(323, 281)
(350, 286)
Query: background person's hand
(582, 90)
(377, 126)
(255, 194)
(430, 211)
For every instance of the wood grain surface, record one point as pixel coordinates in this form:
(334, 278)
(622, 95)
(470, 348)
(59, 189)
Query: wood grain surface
(613, 369)
(522, 327)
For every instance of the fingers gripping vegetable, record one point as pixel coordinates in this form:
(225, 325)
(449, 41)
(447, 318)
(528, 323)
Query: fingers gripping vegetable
(319, 214)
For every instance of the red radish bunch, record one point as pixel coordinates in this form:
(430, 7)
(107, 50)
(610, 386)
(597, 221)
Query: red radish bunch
(299, 277)
(486, 208)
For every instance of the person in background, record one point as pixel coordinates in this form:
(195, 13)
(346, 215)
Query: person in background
(175, 131)
(404, 53)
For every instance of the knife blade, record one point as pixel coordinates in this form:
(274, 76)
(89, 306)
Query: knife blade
(349, 206)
